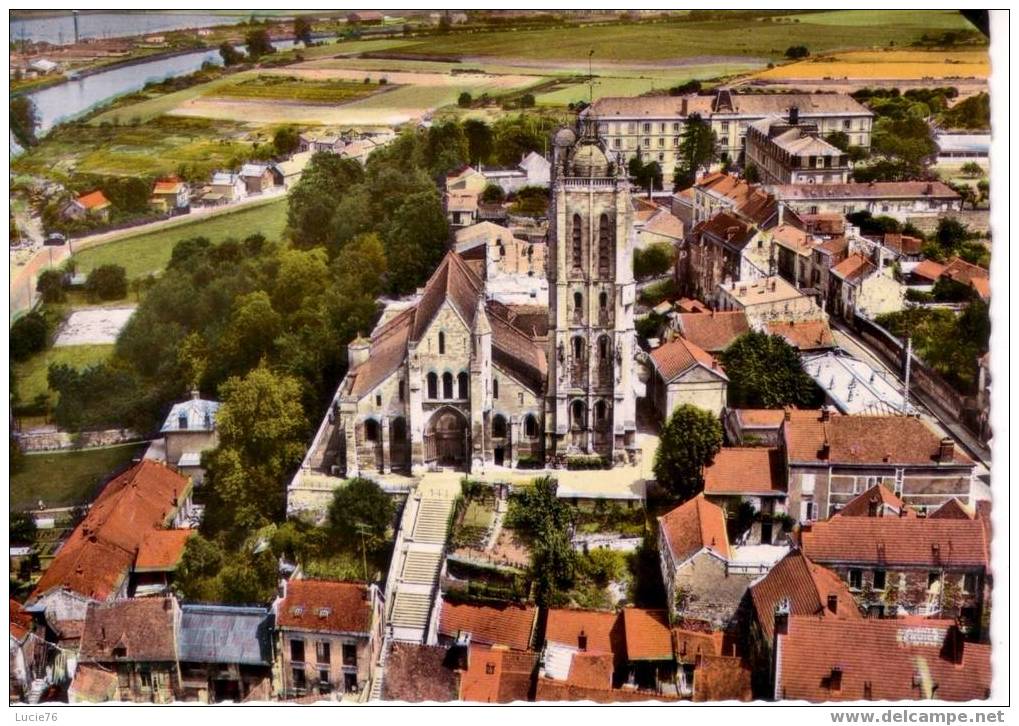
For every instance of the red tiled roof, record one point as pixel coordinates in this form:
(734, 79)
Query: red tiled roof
(416, 673)
(694, 525)
(859, 506)
(721, 678)
(968, 274)
(803, 335)
(21, 622)
(665, 224)
(902, 243)
(143, 629)
(835, 247)
(462, 201)
(508, 625)
(897, 541)
(688, 645)
(727, 228)
(452, 281)
(826, 223)
(929, 270)
(713, 331)
(167, 186)
(760, 417)
(647, 634)
(94, 201)
(162, 549)
(867, 190)
(903, 440)
(792, 238)
(591, 670)
(497, 675)
(680, 355)
(549, 689)
(94, 685)
(326, 606)
(604, 630)
(805, 587)
(517, 352)
(750, 470)
(953, 509)
(854, 268)
(97, 556)
(881, 660)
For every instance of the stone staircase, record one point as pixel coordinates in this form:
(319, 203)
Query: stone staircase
(375, 692)
(37, 689)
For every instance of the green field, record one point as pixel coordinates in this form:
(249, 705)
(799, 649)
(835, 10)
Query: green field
(287, 88)
(664, 41)
(30, 376)
(149, 252)
(64, 479)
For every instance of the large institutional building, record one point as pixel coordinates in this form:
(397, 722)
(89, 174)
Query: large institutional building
(651, 127)
(475, 372)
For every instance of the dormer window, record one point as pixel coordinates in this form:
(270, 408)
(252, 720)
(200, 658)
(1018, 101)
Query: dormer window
(120, 652)
(182, 420)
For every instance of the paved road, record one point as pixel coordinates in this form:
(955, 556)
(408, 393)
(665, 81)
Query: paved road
(940, 421)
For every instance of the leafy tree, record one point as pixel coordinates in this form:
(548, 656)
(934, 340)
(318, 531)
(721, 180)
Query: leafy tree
(653, 260)
(493, 194)
(415, 240)
(527, 100)
(752, 174)
(251, 332)
(446, 148)
(22, 526)
(359, 506)
(838, 139)
(971, 113)
(685, 89)
(530, 201)
(258, 43)
(24, 121)
(464, 100)
(950, 234)
(971, 169)
(29, 335)
(647, 176)
(107, 282)
(50, 286)
(548, 522)
(286, 140)
(689, 441)
(230, 55)
(696, 151)
(312, 202)
(796, 52)
(302, 30)
(765, 372)
(354, 215)
(480, 141)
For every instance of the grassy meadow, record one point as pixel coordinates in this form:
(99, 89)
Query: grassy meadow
(67, 478)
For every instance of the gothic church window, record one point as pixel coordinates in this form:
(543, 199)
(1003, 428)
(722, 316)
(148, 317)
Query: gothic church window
(577, 251)
(433, 386)
(442, 342)
(604, 246)
(531, 426)
(463, 386)
(447, 385)
(371, 430)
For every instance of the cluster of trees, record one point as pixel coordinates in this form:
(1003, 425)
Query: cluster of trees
(797, 52)
(24, 121)
(654, 260)
(647, 176)
(687, 443)
(765, 372)
(950, 343)
(547, 522)
(257, 44)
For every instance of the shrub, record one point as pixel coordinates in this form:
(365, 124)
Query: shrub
(29, 335)
(50, 286)
(493, 194)
(582, 462)
(107, 282)
(795, 52)
(464, 100)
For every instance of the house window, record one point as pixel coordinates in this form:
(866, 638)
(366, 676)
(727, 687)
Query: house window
(855, 579)
(847, 124)
(349, 654)
(463, 386)
(323, 681)
(495, 388)
(442, 342)
(616, 143)
(378, 399)
(933, 578)
(661, 143)
(447, 385)
(298, 678)
(322, 652)
(879, 579)
(647, 128)
(969, 583)
(646, 143)
(146, 678)
(433, 386)
(675, 127)
(725, 127)
(490, 669)
(297, 651)
(350, 682)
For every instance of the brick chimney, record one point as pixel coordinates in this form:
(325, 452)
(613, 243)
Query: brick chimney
(825, 413)
(582, 641)
(946, 451)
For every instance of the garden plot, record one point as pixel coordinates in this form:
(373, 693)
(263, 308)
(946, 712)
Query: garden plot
(94, 326)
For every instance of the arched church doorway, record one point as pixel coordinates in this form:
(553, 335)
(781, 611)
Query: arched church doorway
(446, 438)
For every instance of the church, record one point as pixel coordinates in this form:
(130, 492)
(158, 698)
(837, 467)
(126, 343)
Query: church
(513, 354)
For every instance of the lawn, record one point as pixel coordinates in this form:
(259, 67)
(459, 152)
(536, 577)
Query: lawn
(65, 479)
(288, 88)
(30, 375)
(149, 252)
(681, 39)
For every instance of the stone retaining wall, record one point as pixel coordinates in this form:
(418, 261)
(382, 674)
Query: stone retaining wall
(62, 440)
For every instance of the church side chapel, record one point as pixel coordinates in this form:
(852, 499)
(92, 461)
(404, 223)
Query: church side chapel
(473, 373)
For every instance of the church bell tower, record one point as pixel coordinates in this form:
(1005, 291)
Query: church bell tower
(590, 406)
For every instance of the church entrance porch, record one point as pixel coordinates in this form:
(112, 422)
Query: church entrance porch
(446, 438)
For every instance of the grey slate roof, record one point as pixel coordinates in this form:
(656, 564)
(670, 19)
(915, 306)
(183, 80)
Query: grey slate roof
(200, 414)
(225, 634)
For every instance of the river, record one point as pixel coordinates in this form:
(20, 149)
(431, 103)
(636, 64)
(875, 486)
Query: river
(59, 29)
(73, 98)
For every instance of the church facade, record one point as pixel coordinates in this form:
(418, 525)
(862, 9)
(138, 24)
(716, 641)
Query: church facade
(478, 370)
